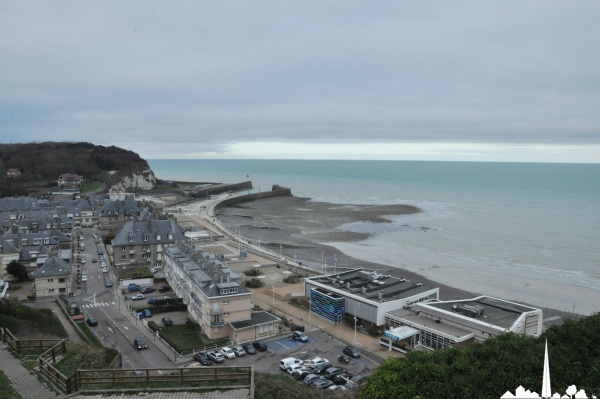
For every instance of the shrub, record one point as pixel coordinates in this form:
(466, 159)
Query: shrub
(294, 279)
(254, 283)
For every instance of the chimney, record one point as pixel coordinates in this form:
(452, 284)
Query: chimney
(380, 295)
(348, 285)
(228, 277)
(364, 290)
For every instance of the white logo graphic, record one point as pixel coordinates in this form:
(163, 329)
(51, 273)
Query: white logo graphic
(571, 393)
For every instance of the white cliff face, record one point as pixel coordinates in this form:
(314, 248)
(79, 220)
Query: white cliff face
(135, 181)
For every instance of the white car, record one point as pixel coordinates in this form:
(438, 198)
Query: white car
(84, 278)
(104, 270)
(228, 353)
(82, 259)
(103, 264)
(317, 361)
(139, 297)
(295, 367)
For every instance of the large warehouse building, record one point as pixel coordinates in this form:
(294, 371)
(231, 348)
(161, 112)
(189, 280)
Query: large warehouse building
(441, 324)
(363, 294)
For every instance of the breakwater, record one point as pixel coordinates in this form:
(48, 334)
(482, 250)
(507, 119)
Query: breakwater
(276, 191)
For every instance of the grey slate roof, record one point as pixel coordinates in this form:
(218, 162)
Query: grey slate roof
(151, 229)
(53, 267)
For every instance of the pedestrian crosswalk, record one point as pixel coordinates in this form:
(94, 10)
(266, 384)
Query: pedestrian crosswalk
(96, 305)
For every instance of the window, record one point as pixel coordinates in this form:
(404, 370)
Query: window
(225, 314)
(131, 247)
(123, 257)
(62, 290)
(50, 280)
(145, 238)
(61, 280)
(123, 248)
(225, 302)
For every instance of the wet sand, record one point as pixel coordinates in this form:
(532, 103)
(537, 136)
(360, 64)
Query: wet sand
(301, 229)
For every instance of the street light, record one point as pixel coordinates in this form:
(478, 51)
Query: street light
(309, 306)
(354, 341)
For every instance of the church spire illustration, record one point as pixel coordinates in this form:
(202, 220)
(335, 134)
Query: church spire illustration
(546, 391)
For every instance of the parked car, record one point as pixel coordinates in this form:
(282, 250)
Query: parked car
(103, 264)
(92, 322)
(94, 260)
(167, 298)
(300, 374)
(295, 367)
(239, 351)
(138, 297)
(147, 290)
(140, 344)
(227, 352)
(355, 381)
(342, 379)
(104, 270)
(259, 346)
(299, 336)
(284, 364)
(216, 357)
(317, 361)
(351, 351)
(151, 301)
(154, 270)
(201, 358)
(166, 320)
(84, 278)
(333, 371)
(82, 260)
(108, 283)
(133, 287)
(322, 368)
(147, 313)
(164, 288)
(321, 383)
(249, 349)
(310, 378)
(101, 258)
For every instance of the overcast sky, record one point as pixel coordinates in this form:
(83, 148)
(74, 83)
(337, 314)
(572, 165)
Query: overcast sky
(481, 80)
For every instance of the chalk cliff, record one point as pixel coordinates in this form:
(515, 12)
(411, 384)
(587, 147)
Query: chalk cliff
(136, 178)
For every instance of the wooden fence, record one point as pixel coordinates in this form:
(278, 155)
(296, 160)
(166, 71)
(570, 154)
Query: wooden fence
(191, 379)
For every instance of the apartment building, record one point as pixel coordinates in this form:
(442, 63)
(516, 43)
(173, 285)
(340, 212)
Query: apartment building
(142, 244)
(52, 278)
(215, 296)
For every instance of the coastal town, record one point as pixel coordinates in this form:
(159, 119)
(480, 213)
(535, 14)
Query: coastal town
(125, 269)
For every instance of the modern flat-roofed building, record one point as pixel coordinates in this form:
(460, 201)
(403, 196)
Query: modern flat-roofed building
(215, 296)
(363, 294)
(441, 324)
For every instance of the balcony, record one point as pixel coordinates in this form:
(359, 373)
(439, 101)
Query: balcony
(220, 323)
(217, 311)
(132, 251)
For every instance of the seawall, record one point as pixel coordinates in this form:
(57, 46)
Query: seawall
(276, 191)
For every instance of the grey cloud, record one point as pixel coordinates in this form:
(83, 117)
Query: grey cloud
(202, 73)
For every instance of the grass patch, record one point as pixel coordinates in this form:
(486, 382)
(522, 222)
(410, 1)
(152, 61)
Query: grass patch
(91, 186)
(88, 333)
(133, 273)
(84, 356)
(185, 337)
(270, 386)
(23, 321)
(7, 391)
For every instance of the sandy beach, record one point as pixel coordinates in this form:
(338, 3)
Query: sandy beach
(312, 232)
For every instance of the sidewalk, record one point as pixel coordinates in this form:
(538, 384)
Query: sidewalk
(25, 383)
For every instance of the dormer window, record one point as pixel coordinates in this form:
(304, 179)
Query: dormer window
(24, 241)
(130, 237)
(170, 235)
(46, 240)
(145, 237)
(157, 237)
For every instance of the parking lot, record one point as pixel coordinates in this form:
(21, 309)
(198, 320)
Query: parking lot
(319, 344)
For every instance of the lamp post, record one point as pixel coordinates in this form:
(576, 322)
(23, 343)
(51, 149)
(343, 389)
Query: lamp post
(354, 341)
(309, 306)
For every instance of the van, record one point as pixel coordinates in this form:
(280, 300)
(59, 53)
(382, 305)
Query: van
(288, 361)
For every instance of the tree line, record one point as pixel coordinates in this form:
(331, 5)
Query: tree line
(42, 163)
(497, 365)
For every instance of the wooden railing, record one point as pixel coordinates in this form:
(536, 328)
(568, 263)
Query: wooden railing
(191, 379)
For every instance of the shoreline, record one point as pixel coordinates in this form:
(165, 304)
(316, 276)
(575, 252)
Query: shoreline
(309, 232)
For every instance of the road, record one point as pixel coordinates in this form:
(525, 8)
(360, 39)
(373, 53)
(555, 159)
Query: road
(116, 328)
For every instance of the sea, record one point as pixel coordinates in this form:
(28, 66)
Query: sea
(521, 219)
